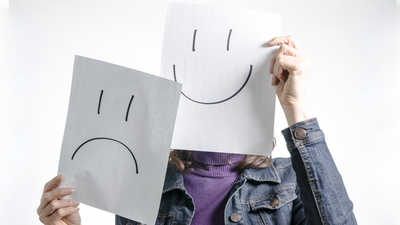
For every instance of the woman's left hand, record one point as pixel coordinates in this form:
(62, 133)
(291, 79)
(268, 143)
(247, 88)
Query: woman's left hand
(290, 67)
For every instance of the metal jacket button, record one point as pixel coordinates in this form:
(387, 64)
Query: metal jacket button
(235, 217)
(274, 202)
(300, 133)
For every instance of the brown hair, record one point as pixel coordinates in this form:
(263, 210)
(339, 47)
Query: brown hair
(183, 161)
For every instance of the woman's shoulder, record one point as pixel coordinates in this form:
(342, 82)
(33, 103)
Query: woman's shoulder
(280, 171)
(282, 163)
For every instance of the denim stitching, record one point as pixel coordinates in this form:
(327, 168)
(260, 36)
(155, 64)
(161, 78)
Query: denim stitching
(174, 214)
(290, 148)
(318, 195)
(319, 133)
(241, 210)
(304, 143)
(258, 219)
(260, 178)
(266, 217)
(255, 200)
(306, 124)
(314, 188)
(283, 166)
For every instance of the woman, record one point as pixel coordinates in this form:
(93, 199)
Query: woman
(220, 188)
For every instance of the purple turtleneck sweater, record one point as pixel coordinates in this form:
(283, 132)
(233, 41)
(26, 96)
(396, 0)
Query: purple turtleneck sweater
(210, 186)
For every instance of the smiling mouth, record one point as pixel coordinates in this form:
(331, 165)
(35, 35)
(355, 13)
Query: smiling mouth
(217, 102)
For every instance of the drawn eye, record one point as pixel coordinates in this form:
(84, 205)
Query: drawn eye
(229, 39)
(194, 41)
(101, 96)
(129, 106)
(127, 111)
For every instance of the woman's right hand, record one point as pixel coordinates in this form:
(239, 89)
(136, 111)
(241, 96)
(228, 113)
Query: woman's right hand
(55, 211)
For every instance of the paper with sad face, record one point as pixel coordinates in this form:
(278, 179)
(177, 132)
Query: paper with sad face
(117, 138)
(220, 57)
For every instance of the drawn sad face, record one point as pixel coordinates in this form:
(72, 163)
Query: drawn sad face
(109, 139)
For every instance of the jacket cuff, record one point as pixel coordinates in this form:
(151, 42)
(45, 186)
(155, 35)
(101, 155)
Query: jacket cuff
(301, 133)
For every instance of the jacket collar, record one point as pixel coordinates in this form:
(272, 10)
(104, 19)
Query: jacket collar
(262, 174)
(174, 179)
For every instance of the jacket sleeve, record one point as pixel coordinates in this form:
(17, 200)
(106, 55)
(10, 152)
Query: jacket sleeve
(119, 220)
(323, 197)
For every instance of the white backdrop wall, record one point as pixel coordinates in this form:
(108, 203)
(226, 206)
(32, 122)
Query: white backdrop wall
(353, 87)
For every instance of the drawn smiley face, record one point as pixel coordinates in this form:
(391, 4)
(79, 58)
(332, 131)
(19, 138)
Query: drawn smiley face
(224, 99)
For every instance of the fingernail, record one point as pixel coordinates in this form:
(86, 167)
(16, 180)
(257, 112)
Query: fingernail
(60, 177)
(70, 190)
(76, 203)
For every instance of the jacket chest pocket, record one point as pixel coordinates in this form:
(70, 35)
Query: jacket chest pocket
(275, 208)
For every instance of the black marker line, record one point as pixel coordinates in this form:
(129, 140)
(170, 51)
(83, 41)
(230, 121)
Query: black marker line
(129, 106)
(229, 39)
(210, 103)
(101, 96)
(99, 138)
(194, 41)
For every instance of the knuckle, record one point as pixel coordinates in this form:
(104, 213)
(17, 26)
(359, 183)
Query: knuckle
(46, 185)
(60, 212)
(53, 205)
(61, 192)
(38, 210)
(46, 197)
(42, 219)
(71, 202)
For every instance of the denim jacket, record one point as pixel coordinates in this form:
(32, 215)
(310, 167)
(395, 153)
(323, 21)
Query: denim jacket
(303, 189)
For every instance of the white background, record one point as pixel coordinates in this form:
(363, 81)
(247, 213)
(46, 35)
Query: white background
(353, 87)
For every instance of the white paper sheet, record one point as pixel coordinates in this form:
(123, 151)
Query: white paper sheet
(220, 57)
(117, 138)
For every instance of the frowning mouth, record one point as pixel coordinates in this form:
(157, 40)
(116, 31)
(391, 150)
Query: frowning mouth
(108, 139)
(217, 102)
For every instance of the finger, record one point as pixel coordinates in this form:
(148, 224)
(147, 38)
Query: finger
(53, 183)
(272, 64)
(54, 194)
(288, 40)
(283, 65)
(274, 80)
(288, 50)
(283, 50)
(58, 204)
(58, 215)
(277, 68)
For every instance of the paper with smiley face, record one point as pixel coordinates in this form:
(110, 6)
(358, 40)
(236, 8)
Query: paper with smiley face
(220, 57)
(117, 138)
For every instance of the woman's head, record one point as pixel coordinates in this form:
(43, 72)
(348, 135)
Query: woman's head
(183, 161)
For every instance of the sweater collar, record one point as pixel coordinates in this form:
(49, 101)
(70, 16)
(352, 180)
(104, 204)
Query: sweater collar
(216, 158)
(175, 178)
